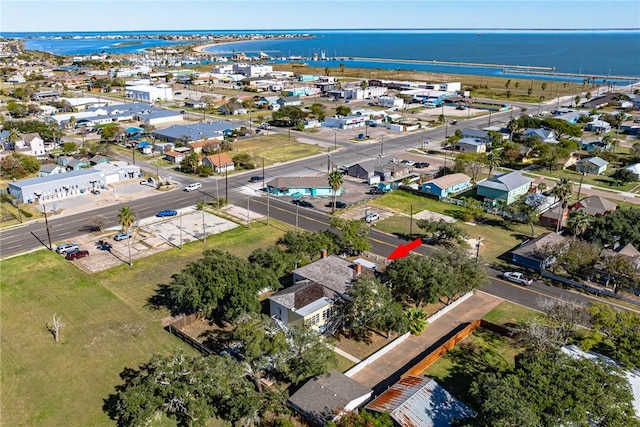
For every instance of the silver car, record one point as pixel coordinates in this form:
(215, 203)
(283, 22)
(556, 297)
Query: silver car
(67, 247)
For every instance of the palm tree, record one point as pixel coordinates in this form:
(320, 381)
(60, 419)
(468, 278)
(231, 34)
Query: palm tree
(494, 159)
(578, 222)
(335, 182)
(562, 191)
(417, 320)
(13, 138)
(126, 218)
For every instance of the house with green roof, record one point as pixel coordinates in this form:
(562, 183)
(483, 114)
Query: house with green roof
(507, 187)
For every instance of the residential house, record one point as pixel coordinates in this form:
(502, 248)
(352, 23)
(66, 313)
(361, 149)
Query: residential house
(634, 169)
(386, 168)
(597, 102)
(539, 253)
(544, 135)
(174, 156)
(220, 162)
(97, 159)
(232, 109)
(317, 287)
(569, 115)
(475, 134)
(420, 401)
(565, 162)
(595, 145)
(598, 126)
(549, 218)
(199, 146)
(594, 206)
(198, 105)
(29, 144)
(507, 187)
(289, 101)
(76, 164)
(631, 253)
(267, 101)
(447, 185)
(326, 398)
(51, 169)
(314, 186)
(471, 145)
(592, 165)
(64, 160)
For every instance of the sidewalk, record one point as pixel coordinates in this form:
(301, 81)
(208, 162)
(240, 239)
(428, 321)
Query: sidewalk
(385, 371)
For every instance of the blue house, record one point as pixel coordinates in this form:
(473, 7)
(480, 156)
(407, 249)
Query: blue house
(592, 165)
(508, 187)
(536, 254)
(314, 186)
(447, 185)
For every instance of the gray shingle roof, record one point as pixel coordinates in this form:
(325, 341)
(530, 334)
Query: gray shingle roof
(300, 295)
(536, 247)
(597, 161)
(595, 205)
(322, 398)
(332, 272)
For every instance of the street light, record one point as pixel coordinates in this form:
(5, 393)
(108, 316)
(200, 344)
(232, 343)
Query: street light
(382, 146)
(478, 243)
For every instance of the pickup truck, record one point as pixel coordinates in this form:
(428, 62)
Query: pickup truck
(517, 278)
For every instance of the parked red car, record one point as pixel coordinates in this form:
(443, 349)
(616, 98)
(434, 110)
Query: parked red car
(80, 253)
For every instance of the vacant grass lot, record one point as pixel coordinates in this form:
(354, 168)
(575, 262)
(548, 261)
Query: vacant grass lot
(498, 236)
(274, 148)
(603, 181)
(109, 326)
(479, 351)
(508, 314)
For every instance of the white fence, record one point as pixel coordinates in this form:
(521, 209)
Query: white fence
(393, 344)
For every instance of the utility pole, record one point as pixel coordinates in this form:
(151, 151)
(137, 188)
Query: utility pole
(335, 140)
(46, 223)
(181, 245)
(328, 161)
(267, 190)
(382, 146)
(248, 216)
(226, 184)
(411, 220)
(204, 225)
(480, 239)
(263, 170)
(297, 207)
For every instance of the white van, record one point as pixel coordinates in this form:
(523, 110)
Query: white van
(193, 187)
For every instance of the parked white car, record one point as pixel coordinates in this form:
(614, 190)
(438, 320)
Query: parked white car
(372, 217)
(518, 278)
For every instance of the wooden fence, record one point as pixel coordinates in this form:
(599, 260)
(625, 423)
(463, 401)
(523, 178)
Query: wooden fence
(427, 361)
(182, 321)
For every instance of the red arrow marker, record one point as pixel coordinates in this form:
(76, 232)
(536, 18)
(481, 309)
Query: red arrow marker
(403, 250)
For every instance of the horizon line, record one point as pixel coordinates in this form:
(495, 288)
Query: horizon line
(330, 30)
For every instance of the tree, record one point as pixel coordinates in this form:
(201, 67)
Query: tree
(274, 258)
(363, 419)
(110, 133)
(55, 326)
(306, 356)
(18, 165)
(444, 232)
(578, 256)
(72, 122)
(441, 275)
(473, 209)
(354, 236)
(619, 226)
(526, 209)
(416, 320)
(493, 160)
(191, 162)
(188, 389)
(551, 388)
(319, 111)
(126, 218)
(306, 246)
(371, 306)
(624, 176)
(219, 284)
(622, 330)
(335, 182)
(578, 222)
(562, 191)
(13, 138)
(562, 128)
(69, 147)
(619, 271)
(343, 110)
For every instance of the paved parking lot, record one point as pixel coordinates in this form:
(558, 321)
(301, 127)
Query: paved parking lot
(151, 236)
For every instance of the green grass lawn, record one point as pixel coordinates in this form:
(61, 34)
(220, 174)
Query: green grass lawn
(498, 236)
(109, 326)
(602, 181)
(480, 351)
(274, 148)
(508, 313)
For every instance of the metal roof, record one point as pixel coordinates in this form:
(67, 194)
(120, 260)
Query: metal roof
(420, 402)
(506, 182)
(55, 177)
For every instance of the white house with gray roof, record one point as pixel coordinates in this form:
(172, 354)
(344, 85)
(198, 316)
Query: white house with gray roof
(471, 145)
(507, 187)
(545, 135)
(317, 286)
(634, 169)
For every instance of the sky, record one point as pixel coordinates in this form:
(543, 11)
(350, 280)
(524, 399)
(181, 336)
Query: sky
(136, 15)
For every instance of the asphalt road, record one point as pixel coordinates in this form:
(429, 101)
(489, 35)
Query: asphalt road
(34, 235)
